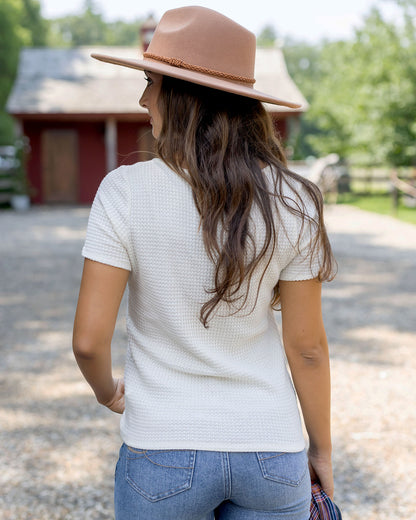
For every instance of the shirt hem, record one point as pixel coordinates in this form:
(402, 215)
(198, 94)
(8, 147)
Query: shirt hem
(217, 446)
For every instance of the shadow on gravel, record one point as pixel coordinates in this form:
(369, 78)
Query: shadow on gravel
(41, 267)
(372, 298)
(61, 502)
(356, 483)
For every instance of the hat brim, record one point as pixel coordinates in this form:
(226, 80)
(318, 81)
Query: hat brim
(196, 77)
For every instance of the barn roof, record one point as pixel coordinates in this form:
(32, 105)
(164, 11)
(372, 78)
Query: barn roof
(69, 81)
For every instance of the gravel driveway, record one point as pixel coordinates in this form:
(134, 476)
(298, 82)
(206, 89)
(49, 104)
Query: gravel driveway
(59, 448)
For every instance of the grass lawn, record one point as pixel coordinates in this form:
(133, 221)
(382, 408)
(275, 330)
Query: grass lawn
(378, 203)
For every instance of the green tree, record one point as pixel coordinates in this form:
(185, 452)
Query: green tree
(267, 36)
(123, 33)
(33, 23)
(10, 43)
(89, 28)
(21, 25)
(303, 64)
(365, 104)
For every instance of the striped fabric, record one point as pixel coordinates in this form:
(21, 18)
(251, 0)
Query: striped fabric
(322, 507)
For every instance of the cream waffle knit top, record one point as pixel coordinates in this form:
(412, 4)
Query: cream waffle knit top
(222, 388)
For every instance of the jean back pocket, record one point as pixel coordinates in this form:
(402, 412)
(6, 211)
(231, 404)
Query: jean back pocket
(283, 467)
(159, 474)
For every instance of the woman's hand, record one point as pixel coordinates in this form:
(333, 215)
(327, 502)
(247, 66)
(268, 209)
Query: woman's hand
(320, 468)
(116, 403)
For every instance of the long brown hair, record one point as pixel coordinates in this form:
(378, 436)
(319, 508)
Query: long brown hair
(220, 143)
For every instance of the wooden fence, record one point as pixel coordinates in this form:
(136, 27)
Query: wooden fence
(334, 178)
(400, 186)
(378, 180)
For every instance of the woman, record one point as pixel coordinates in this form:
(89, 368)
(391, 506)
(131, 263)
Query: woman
(209, 237)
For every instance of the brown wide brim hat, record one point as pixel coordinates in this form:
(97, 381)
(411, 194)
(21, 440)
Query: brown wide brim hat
(202, 46)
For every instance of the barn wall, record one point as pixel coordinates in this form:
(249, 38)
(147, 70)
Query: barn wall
(92, 159)
(91, 156)
(281, 128)
(33, 130)
(134, 141)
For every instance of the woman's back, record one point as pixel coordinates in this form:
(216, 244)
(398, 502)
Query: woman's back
(218, 382)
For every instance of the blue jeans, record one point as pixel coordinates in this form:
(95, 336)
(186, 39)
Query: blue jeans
(208, 485)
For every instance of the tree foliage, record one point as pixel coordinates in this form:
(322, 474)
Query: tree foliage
(90, 28)
(21, 24)
(364, 104)
(34, 25)
(267, 36)
(304, 67)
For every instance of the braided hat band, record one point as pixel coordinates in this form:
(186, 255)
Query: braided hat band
(184, 65)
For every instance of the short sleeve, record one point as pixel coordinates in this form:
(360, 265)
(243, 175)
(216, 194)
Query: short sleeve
(107, 239)
(306, 259)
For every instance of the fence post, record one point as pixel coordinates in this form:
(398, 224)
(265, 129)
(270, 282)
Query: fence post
(394, 193)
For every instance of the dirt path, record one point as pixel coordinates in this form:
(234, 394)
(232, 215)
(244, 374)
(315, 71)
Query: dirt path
(59, 448)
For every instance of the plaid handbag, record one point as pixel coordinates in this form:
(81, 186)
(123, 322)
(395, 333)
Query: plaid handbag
(322, 507)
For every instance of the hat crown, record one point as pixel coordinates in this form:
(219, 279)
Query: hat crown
(204, 38)
(202, 46)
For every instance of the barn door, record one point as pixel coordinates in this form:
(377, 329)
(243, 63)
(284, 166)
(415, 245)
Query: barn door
(60, 166)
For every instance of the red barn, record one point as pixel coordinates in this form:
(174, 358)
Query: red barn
(83, 118)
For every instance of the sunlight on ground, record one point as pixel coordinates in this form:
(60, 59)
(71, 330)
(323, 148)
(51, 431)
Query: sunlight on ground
(343, 292)
(379, 230)
(77, 463)
(383, 335)
(60, 232)
(356, 278)
(12, 299)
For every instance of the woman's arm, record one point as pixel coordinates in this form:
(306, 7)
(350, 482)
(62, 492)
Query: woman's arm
(306, 349)
(102, 288)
